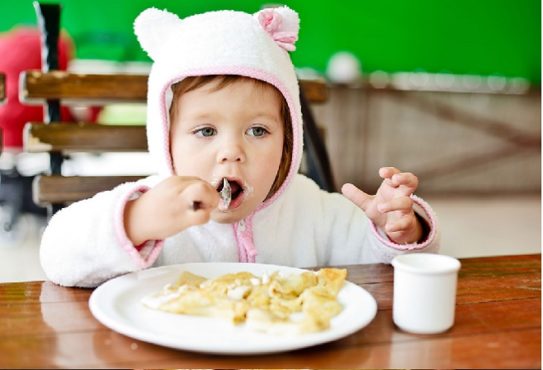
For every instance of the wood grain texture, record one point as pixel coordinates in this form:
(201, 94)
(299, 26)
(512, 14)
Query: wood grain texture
(498, 325)
(2, 87)
(84, 137)
(64, 85)
(69, 189)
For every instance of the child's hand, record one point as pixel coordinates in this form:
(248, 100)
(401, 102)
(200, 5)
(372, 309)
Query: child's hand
(391, 208)
(170, 207)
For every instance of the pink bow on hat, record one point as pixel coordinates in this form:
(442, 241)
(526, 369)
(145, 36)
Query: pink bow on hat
(282, 24)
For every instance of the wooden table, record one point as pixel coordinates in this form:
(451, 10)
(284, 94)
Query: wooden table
(498, 324)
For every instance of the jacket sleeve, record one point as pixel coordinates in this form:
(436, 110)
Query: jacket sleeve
(85, 243)
(356, 238)
(342, 232)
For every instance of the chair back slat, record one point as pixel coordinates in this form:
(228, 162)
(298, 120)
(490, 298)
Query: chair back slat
(315, 91)
(71, 86)
(68, 189)
(2, 87)
(83, 137)
(37, 85)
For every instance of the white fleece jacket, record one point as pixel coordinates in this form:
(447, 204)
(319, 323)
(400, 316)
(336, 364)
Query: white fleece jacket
(85, 243)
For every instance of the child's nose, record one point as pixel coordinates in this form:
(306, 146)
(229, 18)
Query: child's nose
(232, 152)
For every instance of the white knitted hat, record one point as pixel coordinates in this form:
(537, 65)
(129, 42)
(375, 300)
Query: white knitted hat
(217, 43)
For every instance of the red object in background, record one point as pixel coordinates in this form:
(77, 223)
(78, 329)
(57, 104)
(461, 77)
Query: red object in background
(20, 50)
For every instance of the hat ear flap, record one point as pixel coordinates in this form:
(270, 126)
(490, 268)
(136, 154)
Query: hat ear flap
(152, 27)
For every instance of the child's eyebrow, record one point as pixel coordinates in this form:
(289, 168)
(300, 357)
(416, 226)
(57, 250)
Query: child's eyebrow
(271, 116)
(202, 116)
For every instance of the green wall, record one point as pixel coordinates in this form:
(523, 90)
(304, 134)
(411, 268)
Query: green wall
(487, 37)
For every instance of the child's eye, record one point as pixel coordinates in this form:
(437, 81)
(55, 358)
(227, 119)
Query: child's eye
(205, 132)
(257, 131)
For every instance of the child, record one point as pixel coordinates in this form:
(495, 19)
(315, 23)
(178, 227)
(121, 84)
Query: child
(224, 117)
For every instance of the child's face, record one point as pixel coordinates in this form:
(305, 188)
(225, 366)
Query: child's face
(235, 132)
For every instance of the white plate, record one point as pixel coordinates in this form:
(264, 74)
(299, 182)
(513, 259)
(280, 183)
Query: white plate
(117, 305)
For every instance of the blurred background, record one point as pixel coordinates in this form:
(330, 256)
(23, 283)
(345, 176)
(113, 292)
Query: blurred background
(448, 90)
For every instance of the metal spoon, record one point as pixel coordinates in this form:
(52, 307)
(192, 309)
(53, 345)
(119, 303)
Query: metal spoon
(226, 195)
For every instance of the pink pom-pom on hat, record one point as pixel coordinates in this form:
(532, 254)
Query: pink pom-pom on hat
(282, 24)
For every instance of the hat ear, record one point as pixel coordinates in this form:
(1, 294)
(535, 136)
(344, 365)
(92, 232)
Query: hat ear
(282, 24)
(152, 27)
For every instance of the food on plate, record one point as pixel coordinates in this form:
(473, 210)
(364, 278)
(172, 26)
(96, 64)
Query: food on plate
(277, 303)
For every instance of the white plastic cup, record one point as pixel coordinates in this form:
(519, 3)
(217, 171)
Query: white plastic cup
(424, 292)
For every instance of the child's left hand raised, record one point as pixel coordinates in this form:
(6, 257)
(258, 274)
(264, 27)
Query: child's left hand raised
(391, 208)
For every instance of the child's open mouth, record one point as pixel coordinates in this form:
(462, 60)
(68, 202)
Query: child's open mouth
(231, 192)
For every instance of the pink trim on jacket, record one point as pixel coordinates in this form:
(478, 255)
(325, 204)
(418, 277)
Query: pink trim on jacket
(411, 246)
(148, 252)
(243, 231)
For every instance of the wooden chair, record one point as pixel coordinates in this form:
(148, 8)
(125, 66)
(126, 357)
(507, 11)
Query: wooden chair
(73, 137)
(52, 86)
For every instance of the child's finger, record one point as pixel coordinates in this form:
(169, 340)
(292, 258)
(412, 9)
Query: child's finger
(403, 204)
(356, 195)
(200, 196)
(388, 172)
(400, 224)
(406, 179)
(405, 182)
(197, 218)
